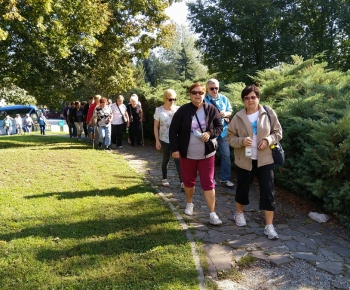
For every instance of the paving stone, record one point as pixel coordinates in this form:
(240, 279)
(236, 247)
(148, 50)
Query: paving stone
(239, 254)
(318, 241)
(278, 250)
(281, 226)
(259, 255)
(344, 252)
(219, 239)
(307, 241)
(337, 285)
(238, 243)
(292, 245)
(334, 268)
(279, 260)
(199, 226)
(290, 232)
(200, 235)
(221, 256)
(264, 242)
(309, 257)
(253, 225)
(330, 255)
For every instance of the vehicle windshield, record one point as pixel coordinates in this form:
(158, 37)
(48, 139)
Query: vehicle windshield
(21, 111)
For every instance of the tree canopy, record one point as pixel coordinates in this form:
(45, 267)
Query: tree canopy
(241, 37)
(54, 49)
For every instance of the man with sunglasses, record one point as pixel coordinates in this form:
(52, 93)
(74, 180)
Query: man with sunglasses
(223, 105)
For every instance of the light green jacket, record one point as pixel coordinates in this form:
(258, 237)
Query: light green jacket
(240, 127)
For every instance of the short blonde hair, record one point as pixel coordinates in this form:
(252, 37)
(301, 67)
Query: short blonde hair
(97, 98)
(168, 94)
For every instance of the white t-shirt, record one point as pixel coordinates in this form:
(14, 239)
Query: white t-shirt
(117, 118)
(253, 119)
(164, 117)
(196, 148)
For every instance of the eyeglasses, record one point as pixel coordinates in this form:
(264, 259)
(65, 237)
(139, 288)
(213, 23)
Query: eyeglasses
(212, 89)
(171, 100)
(247, 98)
(197, 93)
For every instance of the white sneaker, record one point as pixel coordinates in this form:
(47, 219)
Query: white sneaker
(189, 209)
(270, 232)
(214, 181)
(182, 186)
(227, 183)
(214, 219)
(240, 219)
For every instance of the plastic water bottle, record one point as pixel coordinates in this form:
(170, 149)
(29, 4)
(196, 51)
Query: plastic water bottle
(197, 133)
(127, 130)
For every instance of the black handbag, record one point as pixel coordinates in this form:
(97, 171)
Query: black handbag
(277, 149)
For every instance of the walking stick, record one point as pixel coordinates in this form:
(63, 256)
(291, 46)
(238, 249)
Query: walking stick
(143, 141)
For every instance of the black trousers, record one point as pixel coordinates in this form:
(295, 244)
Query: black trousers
(135, 131)
(265, 176)
(117, 134)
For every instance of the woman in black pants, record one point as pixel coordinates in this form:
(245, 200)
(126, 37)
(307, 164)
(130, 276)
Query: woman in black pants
(134, 111)
(119, 121)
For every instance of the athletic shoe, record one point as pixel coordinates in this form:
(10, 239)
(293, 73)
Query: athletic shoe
(227, 183)
(165, 182)
(240, 219)
(214, 219)
(270, 232)
(108, 148)
(182, 186)
(189, 209)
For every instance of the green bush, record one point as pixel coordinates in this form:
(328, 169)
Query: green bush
(313, 107)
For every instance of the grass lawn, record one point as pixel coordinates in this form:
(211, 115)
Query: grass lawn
(76, 218)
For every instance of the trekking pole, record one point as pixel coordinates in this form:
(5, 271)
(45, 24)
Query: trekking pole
(143, 141)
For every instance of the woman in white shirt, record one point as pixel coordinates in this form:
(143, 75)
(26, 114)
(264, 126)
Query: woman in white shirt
(162, 120)
(120, 119)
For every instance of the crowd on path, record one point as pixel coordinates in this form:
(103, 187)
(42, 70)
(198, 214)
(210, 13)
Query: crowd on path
(191, 135)
(24, 125)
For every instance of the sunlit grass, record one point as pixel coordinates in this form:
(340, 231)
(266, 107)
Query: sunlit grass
(76, 218)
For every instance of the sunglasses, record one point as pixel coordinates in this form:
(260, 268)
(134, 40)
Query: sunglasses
(171, 100)
(212, 89)
(247, 98)
(197, 93)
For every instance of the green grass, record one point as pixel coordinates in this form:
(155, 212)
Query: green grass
(76, 218)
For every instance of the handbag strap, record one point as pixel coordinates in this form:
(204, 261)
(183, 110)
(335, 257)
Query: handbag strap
(121, 113)
(200, 127)
(268, 115)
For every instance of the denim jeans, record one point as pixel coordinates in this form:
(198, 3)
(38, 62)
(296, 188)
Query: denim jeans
(225, 156)
(104, 133)
(43, 129)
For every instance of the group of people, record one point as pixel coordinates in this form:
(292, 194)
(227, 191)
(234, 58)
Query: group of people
(101, 119)
(23, 125)
(192, 134)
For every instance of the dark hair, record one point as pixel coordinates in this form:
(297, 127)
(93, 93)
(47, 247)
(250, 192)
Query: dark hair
(247, 90)
(196, 85)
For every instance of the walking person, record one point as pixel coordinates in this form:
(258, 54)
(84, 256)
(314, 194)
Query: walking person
(77, 117)
(251, 134)
(19, 124)
(42, 124)
(193, 132)
(8, 124)
(224, 107)
(28, 124)
(134, 111)
(71, 126)
(89, 118)
(102, 118)
(120, 120)
(162, 120)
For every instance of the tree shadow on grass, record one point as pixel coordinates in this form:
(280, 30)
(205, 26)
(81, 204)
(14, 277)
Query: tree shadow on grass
(113, 191)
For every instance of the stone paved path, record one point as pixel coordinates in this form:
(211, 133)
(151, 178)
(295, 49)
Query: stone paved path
(325, 245)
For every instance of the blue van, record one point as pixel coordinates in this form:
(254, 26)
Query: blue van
(12, 111)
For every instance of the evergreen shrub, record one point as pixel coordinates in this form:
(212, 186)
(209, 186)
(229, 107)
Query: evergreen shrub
(313, 107)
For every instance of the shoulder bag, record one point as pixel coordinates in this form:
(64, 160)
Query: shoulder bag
(277, 150)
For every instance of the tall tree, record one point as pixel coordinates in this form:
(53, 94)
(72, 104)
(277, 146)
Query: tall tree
(180, 61)
(55, 49)
(240, 37)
